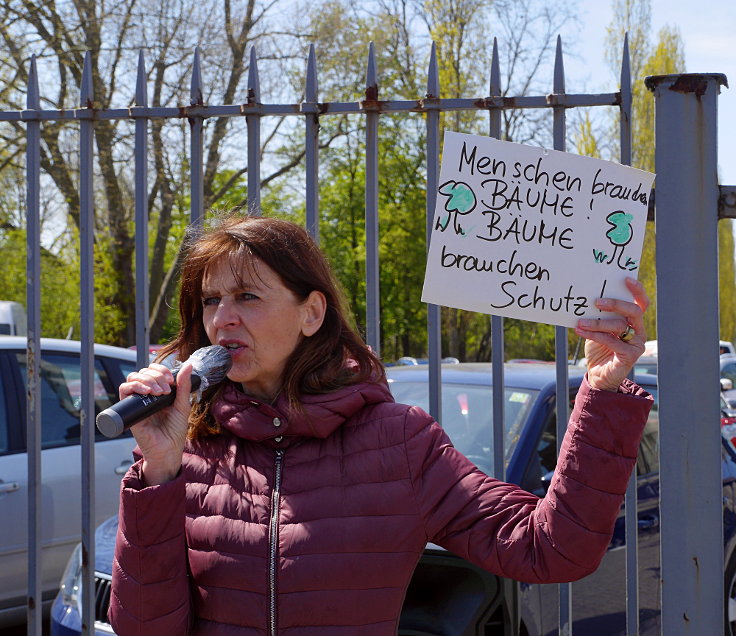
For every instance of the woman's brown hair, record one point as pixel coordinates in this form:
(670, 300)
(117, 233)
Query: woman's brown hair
(333, 357)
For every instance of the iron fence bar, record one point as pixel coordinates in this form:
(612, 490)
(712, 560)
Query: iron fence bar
(86, 309)
(253, 123)
(497, 340)
(631, 529)
(692, 572)
(141, 220)
(372, 304)
(434, 323)
(33, 353)
(196, 145)
(561, 344)
(326, 108)
(498, 356)
(311, 123)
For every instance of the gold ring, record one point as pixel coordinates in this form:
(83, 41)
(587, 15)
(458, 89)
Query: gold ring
(628, 334)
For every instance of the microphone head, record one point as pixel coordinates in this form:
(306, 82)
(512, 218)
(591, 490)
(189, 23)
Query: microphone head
(211, 363)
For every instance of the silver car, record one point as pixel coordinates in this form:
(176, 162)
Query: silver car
(61, 498)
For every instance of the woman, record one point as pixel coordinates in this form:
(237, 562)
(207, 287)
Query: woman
(297, 497)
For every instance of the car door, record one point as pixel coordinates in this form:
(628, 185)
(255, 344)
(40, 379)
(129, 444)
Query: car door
(599, 600)
(60, 468)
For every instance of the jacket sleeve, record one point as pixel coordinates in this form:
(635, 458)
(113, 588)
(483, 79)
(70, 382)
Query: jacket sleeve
(150, 590)
(511, 532)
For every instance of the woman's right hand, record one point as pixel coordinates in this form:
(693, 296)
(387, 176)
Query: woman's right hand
(161, 437)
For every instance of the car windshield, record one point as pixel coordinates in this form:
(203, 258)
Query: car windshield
(467, 413)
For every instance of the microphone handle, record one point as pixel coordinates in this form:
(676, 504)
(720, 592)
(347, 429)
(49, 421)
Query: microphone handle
(130, 410)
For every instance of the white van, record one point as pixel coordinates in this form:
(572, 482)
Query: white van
(12, 319)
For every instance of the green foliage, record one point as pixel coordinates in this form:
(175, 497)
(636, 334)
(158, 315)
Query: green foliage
(585, 138)
(726, 280)
(109, 319)
(59, 284)
(664, 57)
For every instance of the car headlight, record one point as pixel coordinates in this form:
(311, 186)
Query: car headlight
(71, 581)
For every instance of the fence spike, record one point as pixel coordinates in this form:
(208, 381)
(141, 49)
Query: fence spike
(626, 67)
(626, 99)
(559, 73)
(495, 87)
(371, 81)
(494, 120)
(33, 99)
(433, 76)
(141, 92)
(86, 90)
(254, 85)
(195, 95)
(312, 87)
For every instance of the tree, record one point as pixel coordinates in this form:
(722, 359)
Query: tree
(401, 31)
(665, 57)
(527, 33)
(59, 32)
(401, 170)
(633, 17)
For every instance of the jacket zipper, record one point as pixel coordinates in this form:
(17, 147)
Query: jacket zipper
(273, 540)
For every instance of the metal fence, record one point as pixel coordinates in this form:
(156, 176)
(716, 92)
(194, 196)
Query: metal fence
(689, 203)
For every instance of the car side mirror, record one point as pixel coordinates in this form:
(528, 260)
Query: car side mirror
(726, 384)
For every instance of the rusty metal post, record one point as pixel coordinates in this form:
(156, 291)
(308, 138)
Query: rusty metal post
(687, 332)
(33, 354)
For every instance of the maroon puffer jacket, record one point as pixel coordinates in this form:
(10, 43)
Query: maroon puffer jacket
(312, 525)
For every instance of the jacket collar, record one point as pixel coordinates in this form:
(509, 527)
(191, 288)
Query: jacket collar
(255, 420)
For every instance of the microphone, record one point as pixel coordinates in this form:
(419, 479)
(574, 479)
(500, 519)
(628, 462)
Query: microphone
(210, 366)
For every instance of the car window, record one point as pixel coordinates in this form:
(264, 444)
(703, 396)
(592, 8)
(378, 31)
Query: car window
(645, 367)
(545, 459)
(467, 413)
(61, 396)
(648, 459)
(729, 371)
(123, 367)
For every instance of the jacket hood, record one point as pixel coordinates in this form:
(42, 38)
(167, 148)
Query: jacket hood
(255, 420)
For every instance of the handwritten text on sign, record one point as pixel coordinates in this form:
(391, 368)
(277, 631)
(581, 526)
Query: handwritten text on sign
(531, 233)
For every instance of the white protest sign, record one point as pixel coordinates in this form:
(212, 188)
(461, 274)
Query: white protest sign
(531, 233)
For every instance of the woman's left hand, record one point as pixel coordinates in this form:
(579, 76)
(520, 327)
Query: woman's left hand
(610, 359)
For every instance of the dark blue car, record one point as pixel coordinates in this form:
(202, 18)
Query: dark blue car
(450, 597)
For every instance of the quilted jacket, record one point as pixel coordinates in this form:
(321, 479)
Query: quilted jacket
(312, 524)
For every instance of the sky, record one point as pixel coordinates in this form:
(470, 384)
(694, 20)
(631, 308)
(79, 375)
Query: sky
(708, 30)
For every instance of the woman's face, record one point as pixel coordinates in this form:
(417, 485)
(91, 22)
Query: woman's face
(259, 320)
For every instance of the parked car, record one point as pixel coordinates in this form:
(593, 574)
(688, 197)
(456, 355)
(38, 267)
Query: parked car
(728, 372)
(449, 596)
(646, 364)
(724, 346)
(60, 461)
